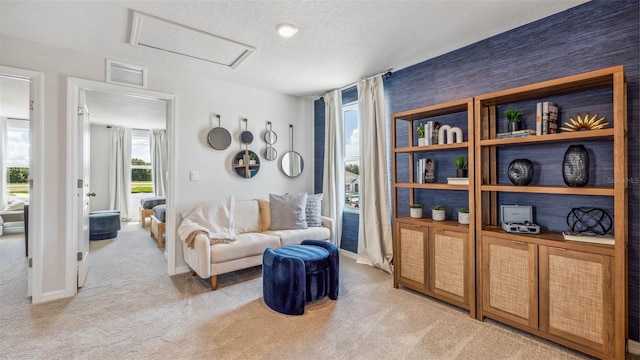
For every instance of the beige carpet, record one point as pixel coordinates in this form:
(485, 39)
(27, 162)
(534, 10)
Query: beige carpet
(130, 308)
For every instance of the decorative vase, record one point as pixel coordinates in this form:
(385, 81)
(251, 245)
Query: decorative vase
(463, 218)
(461, 173)
(575, 166)
(422, 141)
(513, 126)
(437, 215)
(520, 172)
(416, 212)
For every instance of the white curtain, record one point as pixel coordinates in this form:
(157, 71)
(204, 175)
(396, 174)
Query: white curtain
(120, 171)
(374, 238)
(159, 160)
(332, 189)
(3, 163)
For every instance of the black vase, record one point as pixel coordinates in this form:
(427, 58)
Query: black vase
(575, 166)
(520, 172)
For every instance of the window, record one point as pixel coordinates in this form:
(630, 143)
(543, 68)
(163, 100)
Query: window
(351, 156)
(18, 158)
(140, 162)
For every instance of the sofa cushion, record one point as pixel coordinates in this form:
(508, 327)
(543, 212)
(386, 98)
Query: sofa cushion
(246, 245)
(313, 210)
(288, 211)
(15, 204)
(160, 212)
(152, 201)
(265, 214)
(295, 237)
(247, 216)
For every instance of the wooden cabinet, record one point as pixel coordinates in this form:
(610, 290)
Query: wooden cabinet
(436, 258)
(434, 261)
(574, 293)
(510, 280)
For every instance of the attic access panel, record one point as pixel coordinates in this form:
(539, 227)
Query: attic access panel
(161, 34)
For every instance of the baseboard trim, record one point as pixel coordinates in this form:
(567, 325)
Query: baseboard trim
(634, 347)
(183, 269)
(348, 254)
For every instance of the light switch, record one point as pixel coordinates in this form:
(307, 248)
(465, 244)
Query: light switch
(194, 175)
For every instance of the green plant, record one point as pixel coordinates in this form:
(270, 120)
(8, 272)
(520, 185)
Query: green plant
(463, 210)
(420, 130)
(460, 162)
(437, 207)
(513, 115)
(416, 206)
(252, 156)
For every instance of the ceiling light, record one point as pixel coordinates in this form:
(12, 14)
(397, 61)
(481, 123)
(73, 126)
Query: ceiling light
(287, 30)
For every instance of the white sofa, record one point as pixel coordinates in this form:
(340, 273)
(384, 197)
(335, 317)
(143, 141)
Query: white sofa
(253, 236)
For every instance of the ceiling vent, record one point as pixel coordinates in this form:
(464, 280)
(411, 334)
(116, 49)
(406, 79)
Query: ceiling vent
(165, 35)
(126, 74)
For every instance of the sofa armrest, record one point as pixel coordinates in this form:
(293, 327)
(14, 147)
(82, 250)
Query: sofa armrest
(330, 224)
(199, 258)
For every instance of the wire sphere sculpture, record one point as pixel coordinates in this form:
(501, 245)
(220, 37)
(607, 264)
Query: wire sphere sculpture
(593, 220)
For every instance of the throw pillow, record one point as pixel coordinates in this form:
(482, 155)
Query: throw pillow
(265, 214)
(314, 208)
(288, 211)
(247, 216)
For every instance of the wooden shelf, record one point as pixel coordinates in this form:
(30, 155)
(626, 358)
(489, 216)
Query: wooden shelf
(438, 147)
(599, 191)
(431, 186)
(560, 137)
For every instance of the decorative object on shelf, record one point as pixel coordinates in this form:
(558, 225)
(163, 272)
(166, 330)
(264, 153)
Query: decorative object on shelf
(463, 216)
(435, 130)
(590, 220)
(520, 172)
(270, 138)
(449, 135)
(586, 123)
(246, 137)
(291, 162)
(422, 140)
(461, 166)
(438, 212)
(415, 210)
(430, 171)
(513, 117)
(575, 166)
(218, 137)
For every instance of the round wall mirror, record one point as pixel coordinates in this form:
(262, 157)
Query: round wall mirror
(270, 137)
(270, 153)
(218, 137)
(292, 164)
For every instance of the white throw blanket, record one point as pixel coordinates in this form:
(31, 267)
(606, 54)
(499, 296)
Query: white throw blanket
(215, 218)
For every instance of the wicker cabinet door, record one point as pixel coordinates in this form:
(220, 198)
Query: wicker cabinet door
(411, 257)
(448, 265)
(510, 280)
(577, 297)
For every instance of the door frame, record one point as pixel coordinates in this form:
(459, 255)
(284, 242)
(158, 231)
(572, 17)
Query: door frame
(73, 88)
(36, 175)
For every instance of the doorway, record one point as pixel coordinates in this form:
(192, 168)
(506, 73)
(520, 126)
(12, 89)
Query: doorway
(75, 87)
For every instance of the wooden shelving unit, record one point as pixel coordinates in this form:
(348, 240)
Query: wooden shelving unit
(436, 258)
(569, 292)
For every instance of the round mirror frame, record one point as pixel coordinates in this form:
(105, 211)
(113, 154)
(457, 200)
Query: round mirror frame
(289, 169)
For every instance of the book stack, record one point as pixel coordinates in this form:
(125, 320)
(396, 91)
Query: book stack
(589, 238)
(458, 181)
(431, 129)
(425, 171)
(546, 118)
(517, 133)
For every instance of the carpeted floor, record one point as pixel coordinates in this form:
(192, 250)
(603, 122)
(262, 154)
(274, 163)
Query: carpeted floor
(130, 308)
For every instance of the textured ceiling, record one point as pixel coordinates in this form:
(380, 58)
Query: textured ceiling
(338, 43)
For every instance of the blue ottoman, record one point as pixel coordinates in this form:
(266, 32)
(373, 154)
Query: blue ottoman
(296, 274)
(104, 224)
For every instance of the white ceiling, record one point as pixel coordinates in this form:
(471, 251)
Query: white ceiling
(338, 43)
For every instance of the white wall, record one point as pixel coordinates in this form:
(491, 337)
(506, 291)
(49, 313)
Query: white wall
(99, 178)
(197, 97)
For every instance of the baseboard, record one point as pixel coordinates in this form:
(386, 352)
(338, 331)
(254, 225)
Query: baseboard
(183, 269)
(634, 347)
(348, 254)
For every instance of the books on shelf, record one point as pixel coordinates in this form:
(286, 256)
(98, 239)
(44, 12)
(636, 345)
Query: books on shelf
(517, 133)
(549, 117)
(589, 238)
(458, 181)
(425, 171)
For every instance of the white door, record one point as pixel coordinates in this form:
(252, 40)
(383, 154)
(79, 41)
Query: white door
(84, 190)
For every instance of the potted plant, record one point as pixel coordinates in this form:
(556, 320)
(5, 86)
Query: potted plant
(421, 135)
(252, 159)
(461, 166)
(416, 210)
(437, 212)
(463, 216)
(513, 117)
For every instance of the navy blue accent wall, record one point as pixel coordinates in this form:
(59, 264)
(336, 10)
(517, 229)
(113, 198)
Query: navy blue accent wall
(553, 47)
(318, 143)
(350, 229)
(595, 35)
